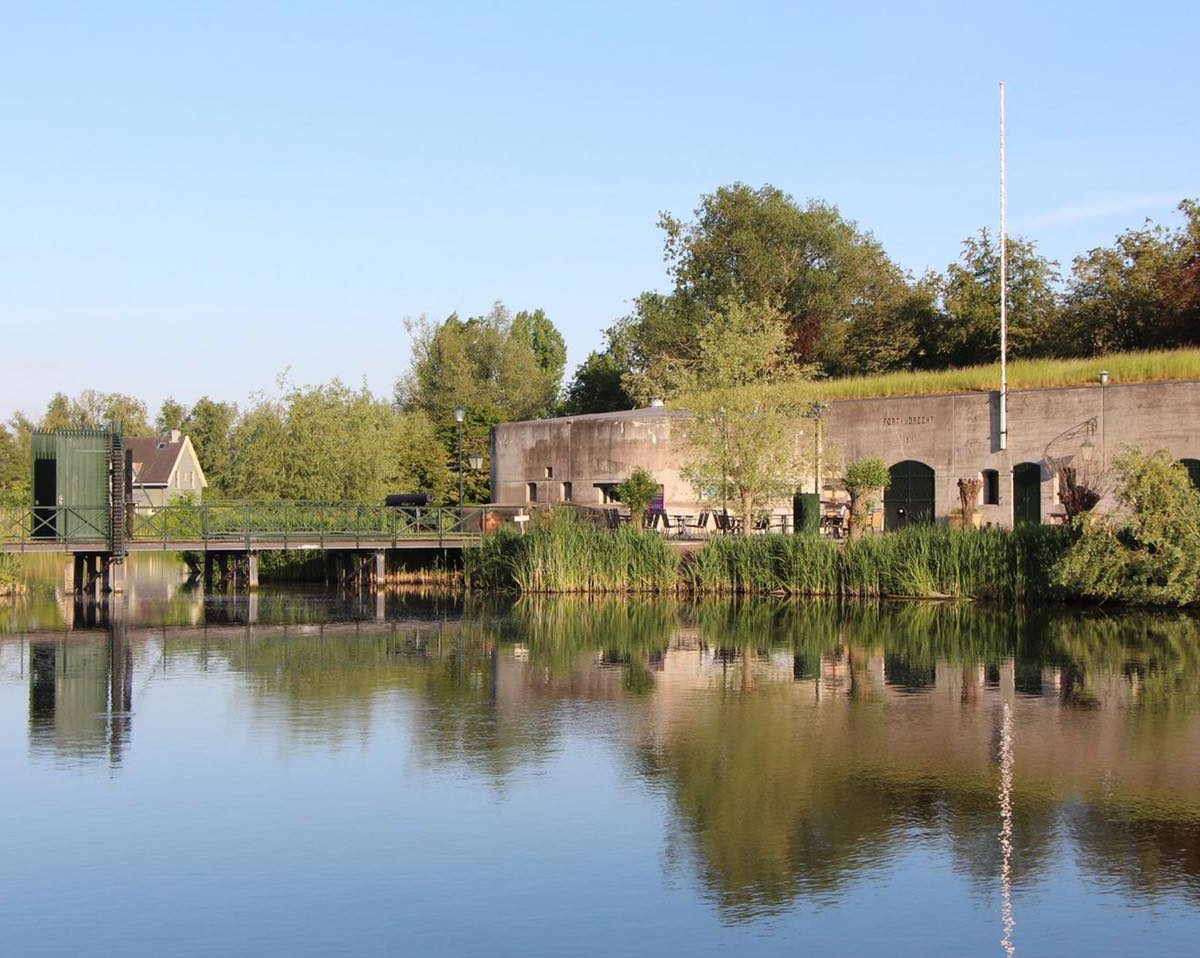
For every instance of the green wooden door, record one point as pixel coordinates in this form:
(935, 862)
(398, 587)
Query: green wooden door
(909, 497)
(1027, 493)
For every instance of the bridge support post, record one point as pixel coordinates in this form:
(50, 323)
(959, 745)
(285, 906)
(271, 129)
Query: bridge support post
(78, 572)
(379, 572)
(116, 575)
(252, 571)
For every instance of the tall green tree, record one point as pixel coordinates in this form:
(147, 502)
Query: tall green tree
(14, 469)
(209, 424)
(1143, 292)
(171, 415)
(968, 330)
(819, 268)
(333, 443)
(497, 368)
(742, 440)
(93, 409)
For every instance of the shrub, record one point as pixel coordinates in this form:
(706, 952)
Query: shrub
(861, 481)
(1148, 557)
(637, 492)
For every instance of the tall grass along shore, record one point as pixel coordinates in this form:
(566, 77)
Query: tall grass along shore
(565, 555)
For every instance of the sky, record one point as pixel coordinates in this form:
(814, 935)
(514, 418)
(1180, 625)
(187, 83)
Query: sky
(196, 198)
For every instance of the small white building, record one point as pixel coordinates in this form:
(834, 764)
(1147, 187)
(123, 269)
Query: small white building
(164, 468)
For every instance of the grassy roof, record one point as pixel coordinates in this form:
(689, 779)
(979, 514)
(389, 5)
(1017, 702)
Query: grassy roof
(1137, 367)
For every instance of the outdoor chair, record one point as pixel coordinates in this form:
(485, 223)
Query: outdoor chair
(700, 525)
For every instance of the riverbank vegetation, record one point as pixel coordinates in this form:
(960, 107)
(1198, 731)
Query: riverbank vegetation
(1145, 555)
(563, 554)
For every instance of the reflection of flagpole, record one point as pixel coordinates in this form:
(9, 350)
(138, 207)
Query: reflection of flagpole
(1006, 829)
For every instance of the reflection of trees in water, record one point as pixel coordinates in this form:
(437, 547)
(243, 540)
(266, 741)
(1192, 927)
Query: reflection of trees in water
(780, 797)
(792, 765)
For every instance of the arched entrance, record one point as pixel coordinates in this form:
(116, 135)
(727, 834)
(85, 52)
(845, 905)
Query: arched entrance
(1027, 493)
(1193, 468)
(909, 498)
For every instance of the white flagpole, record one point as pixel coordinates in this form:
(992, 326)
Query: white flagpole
(1003, 283)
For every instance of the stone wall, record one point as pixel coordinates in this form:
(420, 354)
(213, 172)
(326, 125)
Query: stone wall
(956, 435)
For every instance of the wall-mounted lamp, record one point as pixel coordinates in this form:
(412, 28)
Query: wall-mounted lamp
(1088, 449)
(475, 462)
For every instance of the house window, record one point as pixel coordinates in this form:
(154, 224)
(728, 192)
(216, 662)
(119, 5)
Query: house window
(549, 472)
(531, 492)
(566, 492)
(991, 487)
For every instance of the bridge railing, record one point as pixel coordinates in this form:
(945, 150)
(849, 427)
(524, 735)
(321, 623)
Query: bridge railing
(75, 524)
(245, 521)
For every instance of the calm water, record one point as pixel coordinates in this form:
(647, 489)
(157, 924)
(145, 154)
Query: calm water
(309, 774)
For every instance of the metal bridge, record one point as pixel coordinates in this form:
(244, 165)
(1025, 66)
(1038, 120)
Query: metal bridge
(223, 531)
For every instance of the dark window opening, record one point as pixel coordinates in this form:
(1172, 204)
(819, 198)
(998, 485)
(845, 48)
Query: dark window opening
(991, 487)
(607, 494)
(1193, 468)
(531, 492)
(549, 472)
(566, 492)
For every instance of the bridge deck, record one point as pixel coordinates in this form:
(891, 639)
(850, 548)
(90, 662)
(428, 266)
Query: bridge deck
(240, 527)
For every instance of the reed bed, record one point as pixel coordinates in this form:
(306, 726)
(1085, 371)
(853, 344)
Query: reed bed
(563, 554)
(921, 562)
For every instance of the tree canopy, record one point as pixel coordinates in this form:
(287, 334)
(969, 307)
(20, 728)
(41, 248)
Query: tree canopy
(848, 309)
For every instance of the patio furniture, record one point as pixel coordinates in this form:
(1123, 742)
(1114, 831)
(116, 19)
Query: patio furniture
(700, 525)
(728, 524)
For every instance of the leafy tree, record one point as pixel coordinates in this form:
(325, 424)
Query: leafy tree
(544, 340)
(968, 330)
(14, 470)
(496, 368)
(819, 267)
(171, 415)
(1143, 292)
(333, 443)
(598, 382)
(742, 439)
(862, 480)
(637, 492)
(209, 425)
(92, 409)
(1148, 556)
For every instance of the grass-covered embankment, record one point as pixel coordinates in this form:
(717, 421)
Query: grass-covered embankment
(564, 555)
(1123, 368)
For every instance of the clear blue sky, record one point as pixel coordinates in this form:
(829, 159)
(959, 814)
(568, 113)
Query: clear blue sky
(195, 196)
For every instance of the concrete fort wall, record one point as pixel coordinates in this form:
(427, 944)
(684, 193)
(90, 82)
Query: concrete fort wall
(956, 436)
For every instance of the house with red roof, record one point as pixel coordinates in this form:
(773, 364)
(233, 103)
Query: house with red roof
(164, 468)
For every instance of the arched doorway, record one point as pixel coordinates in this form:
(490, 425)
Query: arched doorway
(1193, 468)
(909, 498)
(1027, 493)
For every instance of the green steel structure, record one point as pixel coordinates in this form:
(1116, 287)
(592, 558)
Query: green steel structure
(73, 486)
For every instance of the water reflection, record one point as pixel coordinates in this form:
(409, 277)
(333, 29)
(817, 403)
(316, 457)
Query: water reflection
(81, 696)
(799, 748)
